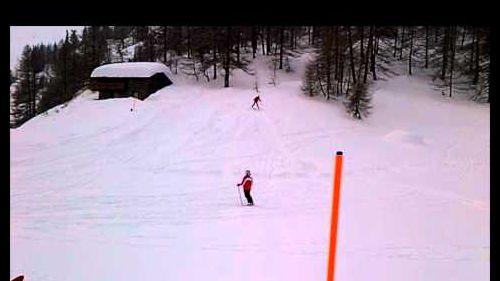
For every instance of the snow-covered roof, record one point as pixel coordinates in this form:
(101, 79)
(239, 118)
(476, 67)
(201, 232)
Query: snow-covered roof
(130, 69)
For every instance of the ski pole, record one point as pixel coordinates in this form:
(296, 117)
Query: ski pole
(239, 192)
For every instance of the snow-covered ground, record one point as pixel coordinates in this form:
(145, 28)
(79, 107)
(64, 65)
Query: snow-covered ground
(99, 192)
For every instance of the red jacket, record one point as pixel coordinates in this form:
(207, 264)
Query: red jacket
(246, 182)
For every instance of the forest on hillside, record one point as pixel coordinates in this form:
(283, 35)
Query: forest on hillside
(346, 59)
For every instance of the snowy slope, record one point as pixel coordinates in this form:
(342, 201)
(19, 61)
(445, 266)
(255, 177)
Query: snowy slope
(99, 192)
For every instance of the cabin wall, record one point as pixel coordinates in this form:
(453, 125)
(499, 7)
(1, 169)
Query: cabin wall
(140, 88)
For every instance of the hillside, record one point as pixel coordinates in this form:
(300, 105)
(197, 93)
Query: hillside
(99, 192)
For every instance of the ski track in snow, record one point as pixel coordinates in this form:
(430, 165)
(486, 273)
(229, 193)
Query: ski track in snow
(152, 192)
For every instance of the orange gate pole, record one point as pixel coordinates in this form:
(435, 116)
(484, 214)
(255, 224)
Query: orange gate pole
(335, 216)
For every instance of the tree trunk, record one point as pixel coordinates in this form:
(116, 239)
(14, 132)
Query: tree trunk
(362, 47)
(476, 70)
(33, 94)
(214, 42)
(189, 42)
(464, 30)
(313, 33)
(396, 41)
(374, 55)
(122, 46)
(446, 43)
(294, 40)
(337, 55)
(353, 71)
(254, 41)
(402, 42)
(262, 42)
(151, 49)
(164, 44)
(309, 35)
(368, 53)
(472, 49)
(95, 57)
(175, 64)
(341, 74)
(238, 42)
(411, 50)
(65, 72)
(227, 57)
(489, 80)
(282, 33)
(328, 48)
(452, 61)
(194, 68)
(427, 47)
(95, 49)
(268, 40)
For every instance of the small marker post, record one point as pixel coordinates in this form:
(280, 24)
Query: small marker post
(335, 216)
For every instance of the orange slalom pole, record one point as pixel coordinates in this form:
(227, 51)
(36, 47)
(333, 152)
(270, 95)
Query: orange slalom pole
(335, 216)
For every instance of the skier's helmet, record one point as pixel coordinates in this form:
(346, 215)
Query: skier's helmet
(247, 172)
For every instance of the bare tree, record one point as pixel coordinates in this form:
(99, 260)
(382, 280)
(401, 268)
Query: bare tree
(476, 61)
(351, 55)
(446, 43)
(426, 46)
(402, 43)
(452, 59)
(165, 46)
(368, 53)
(282, 33)
(472, 49)
(214, 51)
(395, 40)
(410, 55)
(268, 40)
(261, 35)
(254, 41)
(373, 57)
(227, 56)
(361, 50)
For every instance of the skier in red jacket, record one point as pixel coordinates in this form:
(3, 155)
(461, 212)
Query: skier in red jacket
(247, 186)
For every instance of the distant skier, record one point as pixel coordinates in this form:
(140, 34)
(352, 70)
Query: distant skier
(247, 186)
(256, 101)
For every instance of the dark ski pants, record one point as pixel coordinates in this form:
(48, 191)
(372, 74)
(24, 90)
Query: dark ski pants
(248, 196)
(255, 104)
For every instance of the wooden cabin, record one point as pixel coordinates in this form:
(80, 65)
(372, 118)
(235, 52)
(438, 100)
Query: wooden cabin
(130, 79)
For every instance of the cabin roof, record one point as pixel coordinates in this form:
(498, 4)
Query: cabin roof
(129, 70)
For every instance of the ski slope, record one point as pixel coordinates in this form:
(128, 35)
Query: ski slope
(100, 192)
